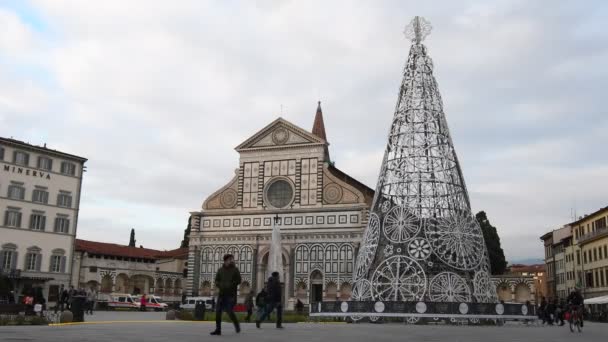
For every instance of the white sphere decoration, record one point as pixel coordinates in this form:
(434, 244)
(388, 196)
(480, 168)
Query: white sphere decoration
(500, 309)
(420, 307)
(463, 308)
(379, 307)
(344, 307)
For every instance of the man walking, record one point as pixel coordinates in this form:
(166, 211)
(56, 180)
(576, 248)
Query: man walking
(91, 299)
(227, 279)
(274, 301)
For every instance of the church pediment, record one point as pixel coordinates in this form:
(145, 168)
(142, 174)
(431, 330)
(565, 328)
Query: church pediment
(280, 133)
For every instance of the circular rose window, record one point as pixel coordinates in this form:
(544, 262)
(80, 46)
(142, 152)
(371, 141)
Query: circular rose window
(279, 193)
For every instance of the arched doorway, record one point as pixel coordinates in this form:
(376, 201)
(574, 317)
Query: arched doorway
(283, 277)
(522, 293)
(122, 282)
(331, 291)
(177, 287)
(141, 284)
(168, 286)
(92, 284)
(345, 291)
(504, 292)
(159, 289)
(316, 286)
(106, 284)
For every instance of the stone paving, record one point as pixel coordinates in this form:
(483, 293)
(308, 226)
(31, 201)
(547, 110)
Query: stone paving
(194, 331)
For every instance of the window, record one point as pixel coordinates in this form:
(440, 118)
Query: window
(37, 221)
(594, 254)
(62, 225)
(40, 196)
(16, 191)
(32, 260)
(279, 193)
(1, 153)
(21, 158)
(8, 256)
(12, 218)
(57, 262)
(45, 163)
(64, 199)
(68, 168)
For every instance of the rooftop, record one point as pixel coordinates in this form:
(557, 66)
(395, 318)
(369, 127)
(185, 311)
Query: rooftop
(112, 249)
(41, 149)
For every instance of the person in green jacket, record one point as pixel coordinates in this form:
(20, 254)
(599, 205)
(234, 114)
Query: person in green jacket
(227, 279)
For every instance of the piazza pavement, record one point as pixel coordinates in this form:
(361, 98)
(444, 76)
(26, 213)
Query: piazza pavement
(150, 327)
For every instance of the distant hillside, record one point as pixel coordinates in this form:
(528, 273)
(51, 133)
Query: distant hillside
(529, 261)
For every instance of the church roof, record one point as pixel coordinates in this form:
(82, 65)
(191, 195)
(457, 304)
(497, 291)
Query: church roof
(291, 136)
(318, 127)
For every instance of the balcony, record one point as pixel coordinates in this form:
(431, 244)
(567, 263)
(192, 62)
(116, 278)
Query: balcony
(598, 233)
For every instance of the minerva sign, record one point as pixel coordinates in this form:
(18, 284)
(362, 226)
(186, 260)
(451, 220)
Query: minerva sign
(27, 172)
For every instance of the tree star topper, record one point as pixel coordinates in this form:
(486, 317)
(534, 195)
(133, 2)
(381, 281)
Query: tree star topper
(418, 29)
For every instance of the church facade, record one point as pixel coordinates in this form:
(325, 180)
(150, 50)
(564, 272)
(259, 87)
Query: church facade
(284, 174)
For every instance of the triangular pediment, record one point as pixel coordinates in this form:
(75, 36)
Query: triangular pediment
(278, 134)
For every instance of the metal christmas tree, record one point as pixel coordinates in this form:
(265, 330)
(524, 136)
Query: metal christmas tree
(422, 242)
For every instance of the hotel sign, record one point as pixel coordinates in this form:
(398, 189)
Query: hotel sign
(27, 172)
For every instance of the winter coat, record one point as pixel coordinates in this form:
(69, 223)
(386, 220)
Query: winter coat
(274, 290)
(227, 279)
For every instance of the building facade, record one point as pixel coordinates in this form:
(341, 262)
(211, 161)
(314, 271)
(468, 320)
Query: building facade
(538, 275)
(590, 241)
(109, 267)
(39, 202)
(284, 172)
(577, 256)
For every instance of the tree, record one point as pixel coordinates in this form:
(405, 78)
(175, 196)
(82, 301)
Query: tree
(498, 263)
(186, 240)
(132, 239)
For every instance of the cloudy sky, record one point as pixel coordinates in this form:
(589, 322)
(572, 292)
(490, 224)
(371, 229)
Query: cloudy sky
(158, 93)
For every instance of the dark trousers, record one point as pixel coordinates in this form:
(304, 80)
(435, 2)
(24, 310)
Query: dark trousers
(249, 313)
(225, 304)
(269, 308)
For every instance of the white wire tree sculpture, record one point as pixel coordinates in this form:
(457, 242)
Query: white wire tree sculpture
(422, 242)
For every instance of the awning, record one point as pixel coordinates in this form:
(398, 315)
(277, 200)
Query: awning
(597, 300)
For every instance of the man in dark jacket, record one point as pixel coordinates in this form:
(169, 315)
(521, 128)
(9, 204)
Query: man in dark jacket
(273, 301)
(227, 279)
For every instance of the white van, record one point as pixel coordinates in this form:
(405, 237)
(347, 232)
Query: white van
(190, 302)
(122, 300)
(152, 302)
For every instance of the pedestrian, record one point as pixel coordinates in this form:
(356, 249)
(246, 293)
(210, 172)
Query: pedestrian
(91, 300)
(142, 302)
(299, 307)
(260, 302)
(559, 312)
(274, 301)
(227, 279)
(550, 311)
(63, 297)
(542, 314)
(71, 294)
(249, 306)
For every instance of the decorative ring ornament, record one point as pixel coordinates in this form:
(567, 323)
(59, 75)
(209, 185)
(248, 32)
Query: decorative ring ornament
(228, 198)
(280, 136)
(332, 193)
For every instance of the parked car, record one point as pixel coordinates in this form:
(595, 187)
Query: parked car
(190, 302)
